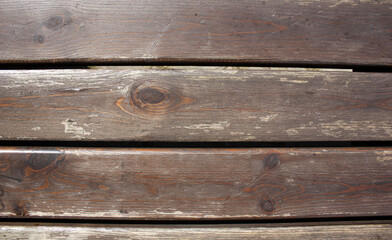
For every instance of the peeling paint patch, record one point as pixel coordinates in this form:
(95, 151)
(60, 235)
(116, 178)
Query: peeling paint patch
(213, 126)
(36, 129)
(388, 131)
(292, 81)
(268, 117)
(70, 127)
(289, 180)
(349, 129)
(248, 138)
(332, 133)
(291, 132)
(334, 128)
(384, 156)
(236, 133)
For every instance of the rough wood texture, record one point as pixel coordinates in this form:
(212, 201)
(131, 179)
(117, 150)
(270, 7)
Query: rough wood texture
(274, 31)
(195, 104)
(233, 231)
(195, 183)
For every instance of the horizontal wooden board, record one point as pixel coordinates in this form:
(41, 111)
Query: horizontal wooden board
(195, 104)
(339, 231)
(195, 183)
(271, 31)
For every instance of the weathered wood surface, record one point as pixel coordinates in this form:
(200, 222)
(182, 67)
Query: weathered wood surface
(195, 183)
(195, 104)
(68, 231)
(275, 31)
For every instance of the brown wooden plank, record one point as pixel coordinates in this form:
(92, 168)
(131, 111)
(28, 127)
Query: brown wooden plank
(337, 231)
(195, 104)
(303, 31)
(195, 183)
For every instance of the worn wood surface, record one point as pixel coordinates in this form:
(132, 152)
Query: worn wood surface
(195, 104)
(195, 183)
(278, 31)
(69, 231)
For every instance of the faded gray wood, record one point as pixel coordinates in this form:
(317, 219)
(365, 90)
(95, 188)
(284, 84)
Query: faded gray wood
(272, 31)
(195, 184)
(195, 104)
(234, 231)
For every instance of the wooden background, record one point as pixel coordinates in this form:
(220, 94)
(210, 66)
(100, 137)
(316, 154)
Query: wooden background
(43, 190)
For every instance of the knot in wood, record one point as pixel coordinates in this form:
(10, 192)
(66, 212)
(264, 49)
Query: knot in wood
(267, 205)
(41, 161)
(156, 100)
(271, 160)
(151, 95)
(19, 209)
(54, 22)
(38, 38)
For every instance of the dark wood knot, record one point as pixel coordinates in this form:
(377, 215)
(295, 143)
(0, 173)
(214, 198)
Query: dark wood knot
(19, 209)
(151, 95)
(55, 27)
(156, 99)
(38, 38)
(268, 205)
(41, 161)
(54, 22)
(271, 161)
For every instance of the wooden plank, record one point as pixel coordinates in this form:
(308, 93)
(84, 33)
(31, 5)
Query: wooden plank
(195, 104)
(195, 183)
(278, 31)
(234, 231)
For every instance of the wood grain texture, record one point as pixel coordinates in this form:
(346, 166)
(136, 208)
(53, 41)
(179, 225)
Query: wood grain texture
(195, 183)
(233, 231)
(195, 104)
(271, 31)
